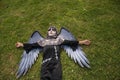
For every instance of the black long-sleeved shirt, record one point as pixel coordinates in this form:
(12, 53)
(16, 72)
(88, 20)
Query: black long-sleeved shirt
(50, 51)
(30, 46)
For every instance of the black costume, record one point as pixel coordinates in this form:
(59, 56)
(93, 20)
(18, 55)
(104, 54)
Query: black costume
(51, 66)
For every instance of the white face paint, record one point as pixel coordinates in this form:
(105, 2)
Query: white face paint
(52, 32)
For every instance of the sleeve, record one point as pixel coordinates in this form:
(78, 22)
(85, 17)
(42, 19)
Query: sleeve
(70, 43)
(29, 46)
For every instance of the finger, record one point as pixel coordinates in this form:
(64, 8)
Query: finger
(16, 44)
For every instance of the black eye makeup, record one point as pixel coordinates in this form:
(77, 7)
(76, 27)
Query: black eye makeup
(52, 29)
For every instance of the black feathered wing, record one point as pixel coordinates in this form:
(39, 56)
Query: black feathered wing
(28, 59)
(77, 55)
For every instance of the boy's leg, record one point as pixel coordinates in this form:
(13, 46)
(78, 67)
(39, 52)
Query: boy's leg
(57, 72)
(45, 73)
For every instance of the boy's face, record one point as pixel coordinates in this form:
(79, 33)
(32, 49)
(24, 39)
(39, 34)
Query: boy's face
(52, 32)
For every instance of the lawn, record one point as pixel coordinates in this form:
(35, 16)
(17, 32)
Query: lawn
(97, 20)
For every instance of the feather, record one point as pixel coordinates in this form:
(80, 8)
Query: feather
(77, 55)
(28, 59)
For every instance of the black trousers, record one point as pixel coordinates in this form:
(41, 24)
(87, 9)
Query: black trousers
(51, 70)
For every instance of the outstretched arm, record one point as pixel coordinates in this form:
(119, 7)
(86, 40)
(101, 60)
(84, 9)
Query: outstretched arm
(27, 46)
(81, 42)
(23, 45)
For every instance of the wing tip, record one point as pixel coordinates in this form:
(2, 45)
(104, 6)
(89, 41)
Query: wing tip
(87, 66)
(35, 32)
(64, 29)
(18, 75)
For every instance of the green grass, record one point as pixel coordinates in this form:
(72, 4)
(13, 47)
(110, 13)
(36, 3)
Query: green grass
(97, 20)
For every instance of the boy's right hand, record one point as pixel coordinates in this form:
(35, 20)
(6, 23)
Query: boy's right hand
(19, 44)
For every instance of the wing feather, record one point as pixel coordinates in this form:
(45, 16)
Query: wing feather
(28, 59)
(65, 34)
(77, 55)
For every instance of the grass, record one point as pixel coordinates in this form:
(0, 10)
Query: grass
(97, 20)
